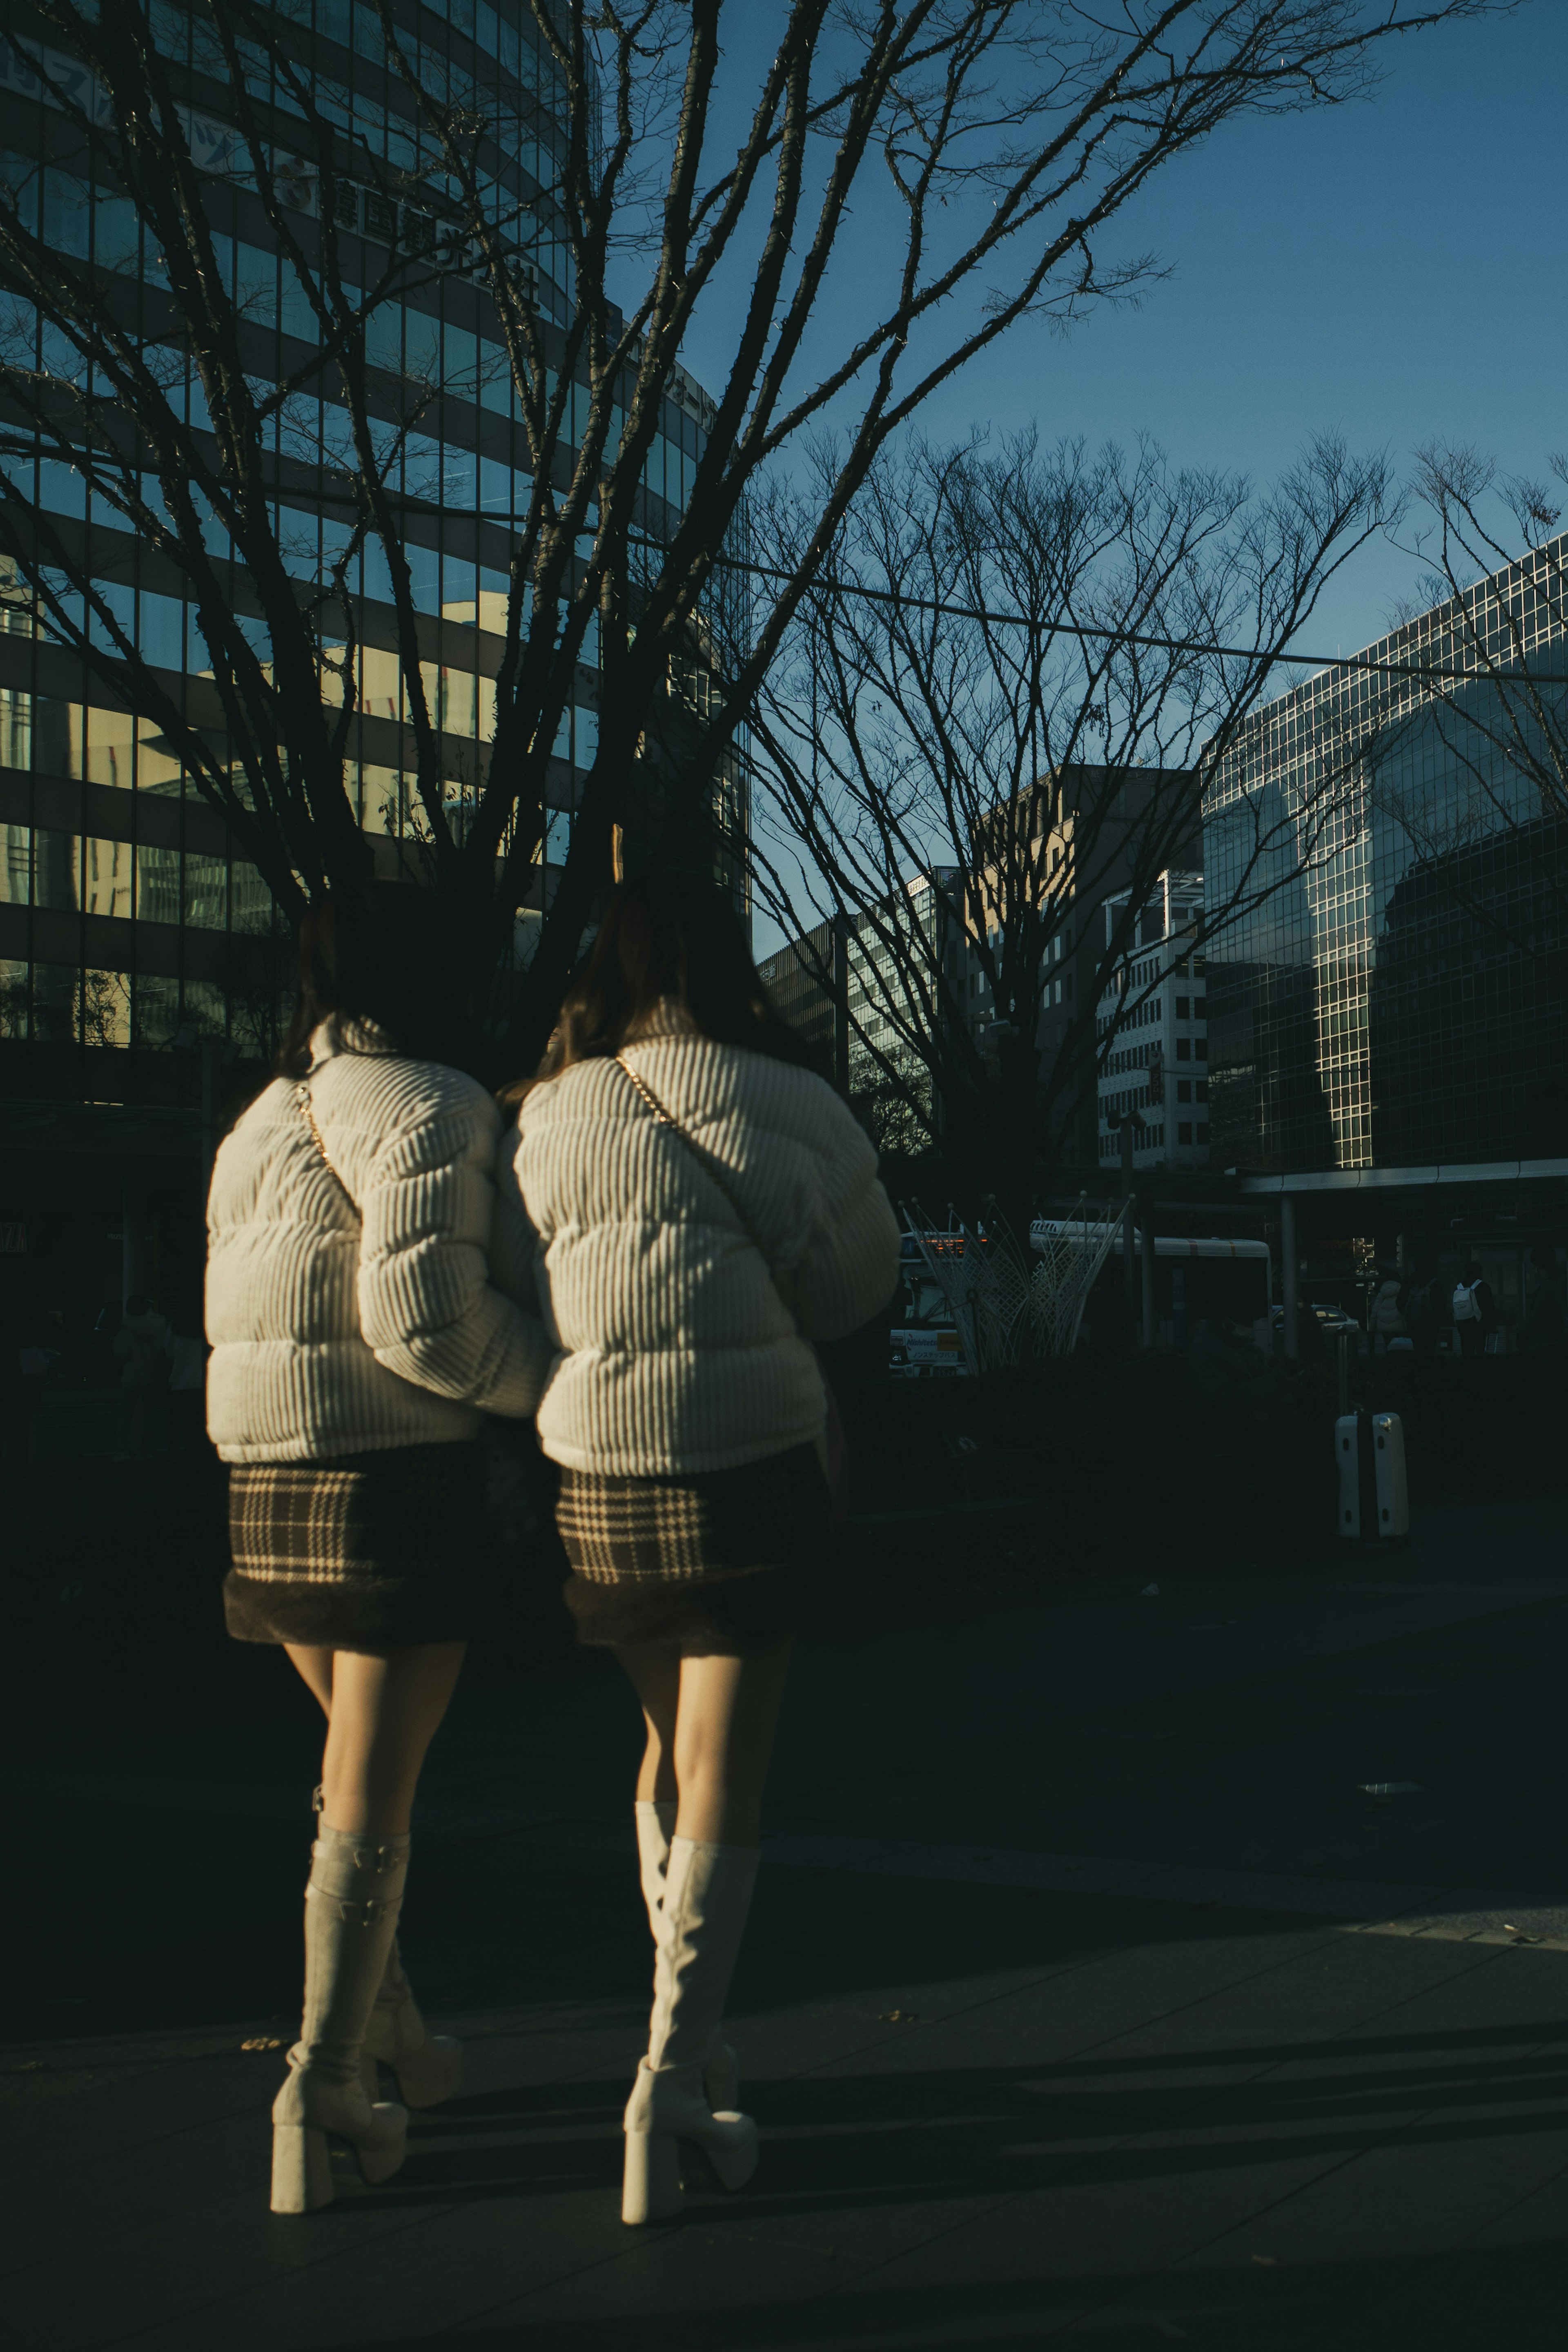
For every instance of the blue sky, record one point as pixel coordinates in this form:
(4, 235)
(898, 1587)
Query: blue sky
(1394, 269)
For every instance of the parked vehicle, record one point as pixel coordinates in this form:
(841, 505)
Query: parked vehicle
(1331, 1320)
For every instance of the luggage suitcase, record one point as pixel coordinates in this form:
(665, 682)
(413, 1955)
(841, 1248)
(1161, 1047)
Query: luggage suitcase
(1374, 1495)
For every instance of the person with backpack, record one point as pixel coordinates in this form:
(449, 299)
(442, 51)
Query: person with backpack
(1474, 1310)
(365, 1313)
(705, 1204)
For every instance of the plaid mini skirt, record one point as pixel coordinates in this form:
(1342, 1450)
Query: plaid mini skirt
(716, 1559)
(363, 1551)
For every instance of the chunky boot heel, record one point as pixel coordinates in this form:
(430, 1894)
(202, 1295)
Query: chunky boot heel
(425, 2077)
(733, 2149)
(428, 2066)
(301, 2169)
(651, 2189)
(381, 2156)
(667, 2109)
(310, 2110)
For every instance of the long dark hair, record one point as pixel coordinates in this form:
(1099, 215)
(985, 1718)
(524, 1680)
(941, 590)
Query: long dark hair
(379, 952)
(666, 938)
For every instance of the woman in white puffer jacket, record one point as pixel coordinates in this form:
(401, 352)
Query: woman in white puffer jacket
(705, 1204)
(357, 1340)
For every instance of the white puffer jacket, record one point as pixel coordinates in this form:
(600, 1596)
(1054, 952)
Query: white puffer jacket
(677, 1352)
(338, 1332)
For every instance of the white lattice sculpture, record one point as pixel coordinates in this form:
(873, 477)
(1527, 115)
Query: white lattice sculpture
(1004, 1311)
(1069, 1258)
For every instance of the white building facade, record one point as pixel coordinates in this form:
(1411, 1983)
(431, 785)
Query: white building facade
(1151, 1033)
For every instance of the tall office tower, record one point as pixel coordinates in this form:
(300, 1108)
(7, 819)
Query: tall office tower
(138, 946)
(1398, 999)
(1151, 1021)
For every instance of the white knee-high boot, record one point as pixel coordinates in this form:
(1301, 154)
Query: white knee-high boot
(351, 1906)
(428, 2066)
(707, 1894)
(656, 1828)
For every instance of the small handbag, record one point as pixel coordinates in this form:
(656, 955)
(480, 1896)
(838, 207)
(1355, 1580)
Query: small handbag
(833, 1446)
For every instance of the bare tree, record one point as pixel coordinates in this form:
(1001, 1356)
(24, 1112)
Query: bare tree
(986, 145)
(1009, 680)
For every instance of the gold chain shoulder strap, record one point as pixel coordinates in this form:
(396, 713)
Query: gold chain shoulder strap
(704, 1159)
(308, 1109)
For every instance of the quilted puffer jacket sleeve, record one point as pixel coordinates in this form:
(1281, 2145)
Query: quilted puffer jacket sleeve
(428, 1309)
(850, 1266)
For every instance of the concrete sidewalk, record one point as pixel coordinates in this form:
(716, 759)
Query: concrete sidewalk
(1285, 2071)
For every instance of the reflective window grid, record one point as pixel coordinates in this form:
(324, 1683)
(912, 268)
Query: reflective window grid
(1397, 997)
(126, 921)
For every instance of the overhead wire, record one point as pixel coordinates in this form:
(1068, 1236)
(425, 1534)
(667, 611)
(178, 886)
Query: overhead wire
(1318, 662)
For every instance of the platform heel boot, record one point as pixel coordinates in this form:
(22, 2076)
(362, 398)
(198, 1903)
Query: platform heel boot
(656, 1828)
(707, 1894)
(351, 1906)
(428, 2066)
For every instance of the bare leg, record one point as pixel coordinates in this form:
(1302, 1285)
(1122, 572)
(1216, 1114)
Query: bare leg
(385, 1711)
(711, 1722)
(656, 1676)
(724, 1723)
(314, 1667)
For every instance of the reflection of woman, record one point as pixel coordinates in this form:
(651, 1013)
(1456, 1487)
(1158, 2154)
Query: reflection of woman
(358, 1338)
(1386, 1319)
(701, 1198)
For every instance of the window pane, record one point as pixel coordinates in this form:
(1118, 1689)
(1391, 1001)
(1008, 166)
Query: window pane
(107, 887)
(55, 1003)
(207, 892)
(15, 726)
(157, 768)
(158, 884)
(57, 743)
(106, 1008)
(13, 1000)
(204, 1006)
(157, 1009)
(56, 870)
(16, 864)
(252, 899)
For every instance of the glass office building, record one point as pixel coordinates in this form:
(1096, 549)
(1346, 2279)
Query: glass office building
(129, 928)
(1151, 1023)
(888, 1082)
(1396, 995)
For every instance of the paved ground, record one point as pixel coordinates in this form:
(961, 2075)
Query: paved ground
(1088, 1992)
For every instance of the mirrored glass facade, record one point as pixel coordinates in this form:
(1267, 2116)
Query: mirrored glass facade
(127, 921)
(1395, 994)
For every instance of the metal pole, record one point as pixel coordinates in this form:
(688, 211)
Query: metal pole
(1343, 1373)
(1289, 1259)
(1128, 1268)
(1150, 1332)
